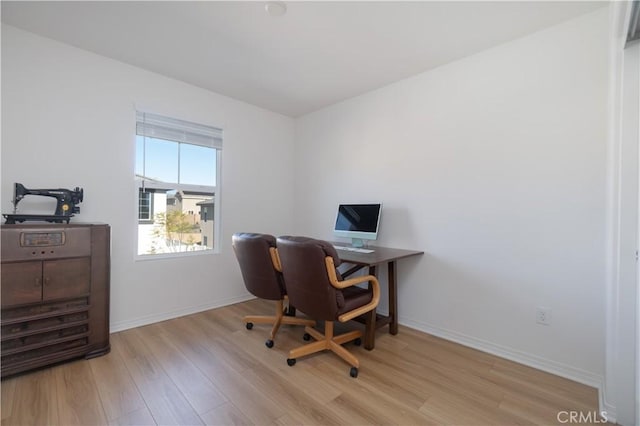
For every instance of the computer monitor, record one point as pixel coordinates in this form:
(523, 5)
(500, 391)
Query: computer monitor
(358, 222)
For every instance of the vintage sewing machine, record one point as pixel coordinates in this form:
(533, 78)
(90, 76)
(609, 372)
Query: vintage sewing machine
(67, 204)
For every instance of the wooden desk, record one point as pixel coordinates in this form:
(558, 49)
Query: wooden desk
(380, 256)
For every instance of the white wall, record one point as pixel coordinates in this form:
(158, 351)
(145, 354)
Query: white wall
(495, 166)
(68, 119)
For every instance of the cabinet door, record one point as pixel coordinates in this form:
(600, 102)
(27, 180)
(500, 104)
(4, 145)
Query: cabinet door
(66, 278)
(21, 283)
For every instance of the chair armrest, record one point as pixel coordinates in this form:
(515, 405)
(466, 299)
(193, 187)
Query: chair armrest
(375, 286)
(275, 259)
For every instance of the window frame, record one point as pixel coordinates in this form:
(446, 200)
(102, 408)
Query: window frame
(142, 183)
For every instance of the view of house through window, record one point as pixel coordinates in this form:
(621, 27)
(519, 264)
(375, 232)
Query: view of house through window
(176, 173)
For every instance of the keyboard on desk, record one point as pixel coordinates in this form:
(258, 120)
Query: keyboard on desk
(354, 249)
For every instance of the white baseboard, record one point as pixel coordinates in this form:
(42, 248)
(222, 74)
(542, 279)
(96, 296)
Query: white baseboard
(607, 408)
(549, 366)
(163, 316)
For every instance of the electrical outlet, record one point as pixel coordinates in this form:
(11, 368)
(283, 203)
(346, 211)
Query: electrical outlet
(543, 315)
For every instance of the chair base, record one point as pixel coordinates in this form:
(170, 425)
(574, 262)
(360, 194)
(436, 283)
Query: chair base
(328, 341)
(278, 319)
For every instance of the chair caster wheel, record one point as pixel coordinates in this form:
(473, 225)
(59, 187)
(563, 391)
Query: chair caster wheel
(269, 343)
(249, 325)
(357, 342)
(354, 372)
(306, 337)
(291, 362)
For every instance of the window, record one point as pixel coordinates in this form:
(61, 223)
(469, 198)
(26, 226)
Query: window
(177, 177)
(145, 208)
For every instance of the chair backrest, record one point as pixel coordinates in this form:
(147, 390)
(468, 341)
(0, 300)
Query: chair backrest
(306, 278)
(258, 271)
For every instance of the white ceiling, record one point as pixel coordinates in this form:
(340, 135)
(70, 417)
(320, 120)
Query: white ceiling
(315, 55)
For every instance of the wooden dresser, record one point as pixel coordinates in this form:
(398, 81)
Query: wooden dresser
(55, 294)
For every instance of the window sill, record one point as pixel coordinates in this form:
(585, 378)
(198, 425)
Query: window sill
(161, 256)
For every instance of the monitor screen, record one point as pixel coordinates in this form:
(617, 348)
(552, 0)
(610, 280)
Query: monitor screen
(358, 221)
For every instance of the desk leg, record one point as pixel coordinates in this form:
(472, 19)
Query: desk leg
(393, 298)
(372, 271)
(370, 328)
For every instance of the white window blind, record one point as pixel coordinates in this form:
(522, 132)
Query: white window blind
(173, 129)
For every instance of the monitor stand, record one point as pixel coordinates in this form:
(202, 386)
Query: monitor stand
(357, 242)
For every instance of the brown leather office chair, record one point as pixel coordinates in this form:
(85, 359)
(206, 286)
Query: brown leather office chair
(315, 288)
(260, 268)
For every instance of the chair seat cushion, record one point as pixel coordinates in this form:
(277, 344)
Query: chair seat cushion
(354, 297)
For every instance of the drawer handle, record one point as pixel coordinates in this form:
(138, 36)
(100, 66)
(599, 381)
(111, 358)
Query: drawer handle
(47, 280)
(37, 283)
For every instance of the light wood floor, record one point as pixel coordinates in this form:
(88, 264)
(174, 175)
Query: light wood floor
(208, 369)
